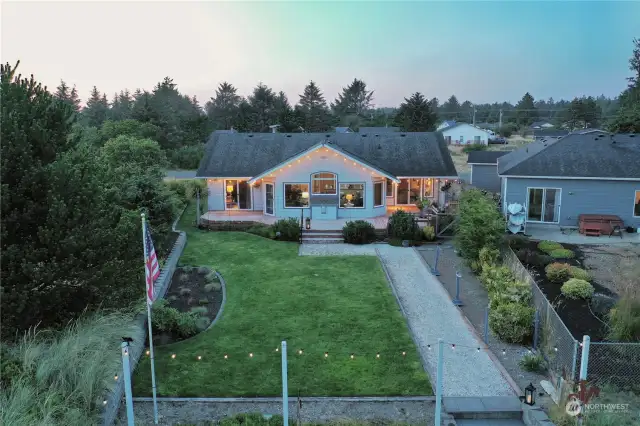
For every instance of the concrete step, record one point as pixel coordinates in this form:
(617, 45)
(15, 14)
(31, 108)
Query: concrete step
(330, 240)
(497, 407)
(323, 235)
(322, 231)
(489, 422)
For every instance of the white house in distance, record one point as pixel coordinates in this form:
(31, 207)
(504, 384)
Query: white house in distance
(465, 134)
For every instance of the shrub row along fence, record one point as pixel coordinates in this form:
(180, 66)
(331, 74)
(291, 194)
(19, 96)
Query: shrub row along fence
(615, 363)
(114, 400)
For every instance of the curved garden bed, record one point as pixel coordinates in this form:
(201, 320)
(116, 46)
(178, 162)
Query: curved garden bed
(192, 304)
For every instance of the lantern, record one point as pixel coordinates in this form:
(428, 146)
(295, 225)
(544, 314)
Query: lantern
(530, 394)
(307, 223)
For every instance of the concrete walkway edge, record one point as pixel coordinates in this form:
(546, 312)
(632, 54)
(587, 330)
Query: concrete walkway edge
(304, 398)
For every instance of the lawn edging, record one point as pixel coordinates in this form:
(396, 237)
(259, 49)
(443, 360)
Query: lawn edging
(223, 285)
(114, 398)
(423, 359)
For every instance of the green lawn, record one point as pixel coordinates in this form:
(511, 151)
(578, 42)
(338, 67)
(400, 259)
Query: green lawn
(339, 305)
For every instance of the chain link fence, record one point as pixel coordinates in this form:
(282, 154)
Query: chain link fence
(554, 340)
(614, 363)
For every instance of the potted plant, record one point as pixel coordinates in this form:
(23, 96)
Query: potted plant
(422, 205)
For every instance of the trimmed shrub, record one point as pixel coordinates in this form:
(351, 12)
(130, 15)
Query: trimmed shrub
(488, 256)
(429, 233)
(513, 292)
(474, 147)
(211, 277)
(496, 278)
(548, 246)
(562, 254)
(516, 241)
(577, 289)
(558, 272)
(512, 322)
(358, 232)
(534, 363)
(215, 285)
(186, 324)
(289, 229)
(402, 225)
(533, 258)
(199, 310)
(580, 274)
(480, 224)
(164, 318)
(262, 230)
(624, 320)
(203, 301)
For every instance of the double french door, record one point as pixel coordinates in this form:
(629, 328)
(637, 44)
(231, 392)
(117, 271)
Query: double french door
(544, 205)
(268, 198)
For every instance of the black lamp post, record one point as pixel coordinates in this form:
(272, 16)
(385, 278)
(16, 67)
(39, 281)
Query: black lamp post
(530, 394)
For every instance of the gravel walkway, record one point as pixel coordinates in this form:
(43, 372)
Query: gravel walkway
(431, 315)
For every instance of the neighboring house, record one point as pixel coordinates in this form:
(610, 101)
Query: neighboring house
(540, 134)
(464, 134)
(588, 173)
(541, 125)
(446, 123)
(484, 169)
(323, 176)
(229, 131)
(488, 126)
(343, 130)
(378, 130)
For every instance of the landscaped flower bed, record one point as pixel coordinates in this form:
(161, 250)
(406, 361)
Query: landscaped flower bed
(581, 313)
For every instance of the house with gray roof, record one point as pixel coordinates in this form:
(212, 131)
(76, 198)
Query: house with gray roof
(465, 134)
(322, 176)
(374, 130)
(343, 130)
(581, 173)
(484, 169)
(540, 134)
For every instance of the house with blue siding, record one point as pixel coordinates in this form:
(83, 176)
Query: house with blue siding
(582, 173)
(263, 177)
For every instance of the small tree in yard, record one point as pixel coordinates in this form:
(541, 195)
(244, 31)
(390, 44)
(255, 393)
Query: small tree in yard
(480, 224)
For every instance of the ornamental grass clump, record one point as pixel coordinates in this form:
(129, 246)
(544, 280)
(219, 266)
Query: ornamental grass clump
(558, 272)
(562, 253)
(577, 289)
(580, 273)
(548, 246)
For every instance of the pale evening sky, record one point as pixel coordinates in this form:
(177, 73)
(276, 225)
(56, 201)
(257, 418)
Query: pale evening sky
(480, 51)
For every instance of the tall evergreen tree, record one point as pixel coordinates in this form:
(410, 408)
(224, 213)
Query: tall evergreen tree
(222, 110)
(355, 99)
(627, 119)
(313, 107)
(95, 113)
(262, 102)
(416, 114)
(582, 113)
(74, 99)
(285, 116)
(62, 91)
(526, 112)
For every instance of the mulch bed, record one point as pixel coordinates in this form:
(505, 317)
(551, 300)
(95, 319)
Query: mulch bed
(188, 290)
(575, 313)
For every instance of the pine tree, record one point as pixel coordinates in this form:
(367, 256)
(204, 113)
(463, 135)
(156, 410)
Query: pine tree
(526, 110)
(74, 99)
(451, 108)
(314, 110)
(262, 103)
(355, 99)
(62, 91)
(95, 113)
(627, 119)
(416, 115)
(223, 109)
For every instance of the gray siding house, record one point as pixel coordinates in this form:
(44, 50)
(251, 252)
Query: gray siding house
(484, 169)
(582, 173)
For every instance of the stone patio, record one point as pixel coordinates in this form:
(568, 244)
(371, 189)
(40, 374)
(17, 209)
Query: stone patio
(572, 236)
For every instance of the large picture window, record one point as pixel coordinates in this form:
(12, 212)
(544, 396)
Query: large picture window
(352, 195)
(323, 183)
(296, 195)
(636, 206)
(377, 194)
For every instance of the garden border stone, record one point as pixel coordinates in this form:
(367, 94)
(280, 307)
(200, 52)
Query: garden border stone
(115, 397)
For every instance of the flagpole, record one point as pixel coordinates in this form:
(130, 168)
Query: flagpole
(153, 369)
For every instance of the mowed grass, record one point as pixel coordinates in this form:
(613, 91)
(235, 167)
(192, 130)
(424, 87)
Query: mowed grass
(338, 305)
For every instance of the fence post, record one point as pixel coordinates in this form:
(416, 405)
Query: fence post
(536, 329)
(456, 300)
(126, 373)
(486, 325)
(439, 383)
(434, 270)
(285, 386)
(198, 207)
(575, 357)
(584, 360)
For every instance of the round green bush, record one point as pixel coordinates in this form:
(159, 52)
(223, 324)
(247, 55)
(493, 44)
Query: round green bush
(548, 246)
(358, 232)
(577, 289)
(580, 273)
(562, 253)
(558, 272)
(512, 322)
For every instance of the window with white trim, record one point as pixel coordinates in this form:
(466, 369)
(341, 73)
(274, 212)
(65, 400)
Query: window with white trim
(351, 195)
(296, 195)
(378, 197)
(323, 183)
(636, 205)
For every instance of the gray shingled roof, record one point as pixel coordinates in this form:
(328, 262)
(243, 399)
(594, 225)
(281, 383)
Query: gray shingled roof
(595, 155)
(485, 157)
(374, 130)
(400, 154)
(545, 133)
(343, 130)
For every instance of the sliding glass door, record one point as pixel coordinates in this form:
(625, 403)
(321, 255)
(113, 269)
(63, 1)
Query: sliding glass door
(268, 198)
(544, 205)
(402, 196)
(238, 195)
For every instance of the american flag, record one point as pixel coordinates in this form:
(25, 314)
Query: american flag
(151, 266)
